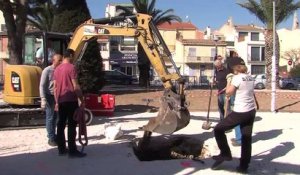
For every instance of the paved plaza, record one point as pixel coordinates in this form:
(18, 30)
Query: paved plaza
(275, 149)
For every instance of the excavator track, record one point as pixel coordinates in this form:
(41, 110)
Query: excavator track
(13, 116)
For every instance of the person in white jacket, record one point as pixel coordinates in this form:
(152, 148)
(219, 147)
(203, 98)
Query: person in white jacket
(47, 98)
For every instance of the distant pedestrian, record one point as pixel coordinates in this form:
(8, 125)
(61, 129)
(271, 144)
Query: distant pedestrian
(67, 94)
(47, 98)
(243, 114)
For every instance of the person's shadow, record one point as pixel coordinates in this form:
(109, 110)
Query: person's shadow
(266, 135)
(276, 152)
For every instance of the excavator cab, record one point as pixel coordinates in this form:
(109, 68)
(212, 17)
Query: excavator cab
(21, 82)
(39, 47)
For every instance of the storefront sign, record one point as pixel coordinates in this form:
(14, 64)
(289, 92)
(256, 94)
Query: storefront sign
(119, 57)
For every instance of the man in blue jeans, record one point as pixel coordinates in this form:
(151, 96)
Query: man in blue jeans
(47, 98)
(220, 78)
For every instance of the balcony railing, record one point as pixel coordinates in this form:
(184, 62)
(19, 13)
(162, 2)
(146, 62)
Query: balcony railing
(255, 61)
(199, 59)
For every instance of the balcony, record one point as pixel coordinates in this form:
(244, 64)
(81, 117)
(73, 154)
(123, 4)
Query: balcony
(256, 61)
(199, 59)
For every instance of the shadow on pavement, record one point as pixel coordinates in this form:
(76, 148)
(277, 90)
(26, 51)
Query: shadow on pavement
(262, 160)
(117, 158)
(135, 109)
(266, 135)
(214, 119)
(288, 105)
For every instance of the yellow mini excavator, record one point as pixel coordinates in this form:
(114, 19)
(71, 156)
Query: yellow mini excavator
(22, 81)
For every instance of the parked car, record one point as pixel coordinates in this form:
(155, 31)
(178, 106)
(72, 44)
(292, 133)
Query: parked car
(118, 77)
(289, 83)
(260, 81)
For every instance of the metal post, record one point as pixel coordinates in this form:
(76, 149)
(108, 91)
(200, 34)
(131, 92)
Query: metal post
(273, 95)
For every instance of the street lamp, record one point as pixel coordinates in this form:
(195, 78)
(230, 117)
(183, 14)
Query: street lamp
(216, 39)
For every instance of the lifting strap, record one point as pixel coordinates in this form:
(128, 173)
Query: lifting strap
(79, 117)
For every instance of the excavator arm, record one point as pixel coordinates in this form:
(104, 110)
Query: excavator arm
(173, 113)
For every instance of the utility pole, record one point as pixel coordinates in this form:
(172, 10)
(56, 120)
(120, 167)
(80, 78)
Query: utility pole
(273, 94)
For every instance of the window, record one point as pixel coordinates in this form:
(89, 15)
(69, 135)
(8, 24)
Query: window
(242, 36)
(258, 69)
(257, 53)
(254, 36)
(3, 28)
(129, 44)
(32, 45)
(192, 52)
(213, 53)
(34, 49)
(103, 47)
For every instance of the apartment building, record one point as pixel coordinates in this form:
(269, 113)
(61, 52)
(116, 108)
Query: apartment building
(195, 58)
(192, 53)
(119, 52)
(173, 31)
(2, 23)
(289, 45)
(249, 42)
(3, 46)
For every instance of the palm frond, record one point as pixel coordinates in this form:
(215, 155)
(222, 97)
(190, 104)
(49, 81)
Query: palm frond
(41, 14)
(159, 16)
(285, 9)
(151, 7)
(125, 11)
(253, 7)
(264, 10)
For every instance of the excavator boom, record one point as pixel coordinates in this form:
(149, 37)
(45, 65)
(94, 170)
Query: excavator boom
(173, 113)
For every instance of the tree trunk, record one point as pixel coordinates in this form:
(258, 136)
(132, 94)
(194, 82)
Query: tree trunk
(15, 28)
(268, 57)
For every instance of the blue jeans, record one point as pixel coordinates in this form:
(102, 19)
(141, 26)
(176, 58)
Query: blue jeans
(51, 117)
(238, 134)
(221, 105)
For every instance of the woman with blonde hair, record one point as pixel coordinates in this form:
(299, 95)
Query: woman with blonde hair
(243, 114)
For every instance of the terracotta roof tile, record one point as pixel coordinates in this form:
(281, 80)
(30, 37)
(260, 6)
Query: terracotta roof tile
(199, 34)
(177, 25)
(202, 42)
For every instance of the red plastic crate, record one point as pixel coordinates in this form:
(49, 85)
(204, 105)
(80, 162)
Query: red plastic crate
(100, 105)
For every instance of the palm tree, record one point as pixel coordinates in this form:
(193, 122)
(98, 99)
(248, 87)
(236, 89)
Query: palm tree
(41, 14)
(263, 10)
(158, 17)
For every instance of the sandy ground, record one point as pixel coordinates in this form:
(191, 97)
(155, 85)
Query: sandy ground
(276, 149)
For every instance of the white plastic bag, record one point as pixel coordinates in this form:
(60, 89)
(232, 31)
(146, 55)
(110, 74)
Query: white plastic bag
(112, 131)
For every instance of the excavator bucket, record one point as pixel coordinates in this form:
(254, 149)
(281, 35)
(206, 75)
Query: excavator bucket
(172, 115)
